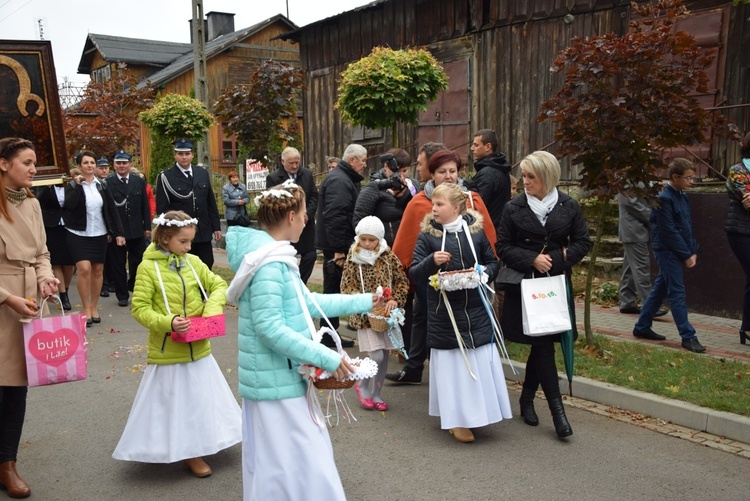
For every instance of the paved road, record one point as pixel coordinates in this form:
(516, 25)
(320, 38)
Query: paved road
(72, 428)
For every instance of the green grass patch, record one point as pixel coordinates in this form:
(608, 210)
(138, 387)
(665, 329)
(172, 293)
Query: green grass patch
(711, 382)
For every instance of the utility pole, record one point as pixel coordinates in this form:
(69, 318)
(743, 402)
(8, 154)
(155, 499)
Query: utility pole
(199, 69)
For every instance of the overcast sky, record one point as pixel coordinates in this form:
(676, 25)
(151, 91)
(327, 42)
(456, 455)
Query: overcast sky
(67, 22)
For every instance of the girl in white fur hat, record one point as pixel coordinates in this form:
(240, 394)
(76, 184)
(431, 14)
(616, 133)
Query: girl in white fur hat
(371, 264)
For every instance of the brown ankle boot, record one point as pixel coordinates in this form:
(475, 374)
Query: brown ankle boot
(198, 467)
(462, 435)
(10, 479)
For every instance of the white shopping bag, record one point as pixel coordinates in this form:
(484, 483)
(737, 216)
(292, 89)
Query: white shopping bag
(544, 302)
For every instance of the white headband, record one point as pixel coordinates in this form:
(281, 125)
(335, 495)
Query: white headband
(162, 221)
(283, 193)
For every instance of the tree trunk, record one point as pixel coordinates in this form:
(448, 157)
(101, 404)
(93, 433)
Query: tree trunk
(394, 134)
(592, 269)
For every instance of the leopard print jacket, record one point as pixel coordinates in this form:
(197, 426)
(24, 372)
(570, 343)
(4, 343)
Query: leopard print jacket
(387, 271)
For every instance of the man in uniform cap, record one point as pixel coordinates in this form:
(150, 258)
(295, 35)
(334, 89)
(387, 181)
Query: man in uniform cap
(187, 187)
(131, 201)
(102, 168)
(101, 172)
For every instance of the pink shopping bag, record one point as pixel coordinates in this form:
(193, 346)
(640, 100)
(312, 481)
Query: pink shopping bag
(55, 348)
(202, 328)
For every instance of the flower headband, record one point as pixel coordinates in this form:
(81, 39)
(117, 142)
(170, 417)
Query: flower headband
(283, 193)
(162, 221)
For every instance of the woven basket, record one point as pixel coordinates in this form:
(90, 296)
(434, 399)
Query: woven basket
(378, 319)
(331, 383)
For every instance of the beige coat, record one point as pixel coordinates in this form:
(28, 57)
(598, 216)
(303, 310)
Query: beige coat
(24, 262)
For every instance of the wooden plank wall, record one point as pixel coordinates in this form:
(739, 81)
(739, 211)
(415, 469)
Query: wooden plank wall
(514, 45)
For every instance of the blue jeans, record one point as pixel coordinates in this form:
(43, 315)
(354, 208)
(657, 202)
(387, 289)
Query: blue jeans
(668, 284)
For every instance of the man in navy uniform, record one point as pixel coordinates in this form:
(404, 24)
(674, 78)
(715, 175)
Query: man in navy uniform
(108, 279)
(131, 201)
(187, 187)
(291, 168)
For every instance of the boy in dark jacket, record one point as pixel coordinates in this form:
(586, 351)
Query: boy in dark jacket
(674, 245)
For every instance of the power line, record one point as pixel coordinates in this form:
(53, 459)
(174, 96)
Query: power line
(21, 7)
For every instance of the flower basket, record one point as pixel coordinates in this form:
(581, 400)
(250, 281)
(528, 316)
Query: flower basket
(456, 280)
(378, 319)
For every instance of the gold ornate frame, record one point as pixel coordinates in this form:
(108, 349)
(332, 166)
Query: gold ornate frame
(30, 103)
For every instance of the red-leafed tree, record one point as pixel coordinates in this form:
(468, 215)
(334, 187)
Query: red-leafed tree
(625, 98)
(106, 119)
(263, 112)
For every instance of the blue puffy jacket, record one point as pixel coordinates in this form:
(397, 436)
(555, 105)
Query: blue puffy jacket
(274, 338)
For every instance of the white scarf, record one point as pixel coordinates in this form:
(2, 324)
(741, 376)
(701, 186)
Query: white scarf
(281, 251)
(456, 226)
(543, 207)
(363, 256)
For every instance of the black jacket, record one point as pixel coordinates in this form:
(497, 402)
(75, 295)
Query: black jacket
(383, 204)
(307, 182)
(196, 199)
(51, 210)
(336, 201)
(74, 209)
(131, 201)
(471, 316)
(492, 182)
(521, 238)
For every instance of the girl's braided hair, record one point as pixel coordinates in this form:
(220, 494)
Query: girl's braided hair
(276, 203)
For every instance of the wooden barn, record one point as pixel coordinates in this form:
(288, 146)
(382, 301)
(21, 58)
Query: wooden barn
(497, 54)
(231, 58)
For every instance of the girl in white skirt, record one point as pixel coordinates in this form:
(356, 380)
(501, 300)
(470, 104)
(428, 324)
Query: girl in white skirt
(286, 454)
(371, 264)
(467, 386)
(201, 415)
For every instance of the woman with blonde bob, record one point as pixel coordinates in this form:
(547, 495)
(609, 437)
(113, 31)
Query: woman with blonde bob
(542, 231)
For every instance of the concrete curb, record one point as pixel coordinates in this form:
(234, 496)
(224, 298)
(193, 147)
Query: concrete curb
(719, 423)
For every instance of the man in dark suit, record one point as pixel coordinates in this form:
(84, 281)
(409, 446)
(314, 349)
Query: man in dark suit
(129, 192)
(291, 169)
(187, 187)
(108, 280)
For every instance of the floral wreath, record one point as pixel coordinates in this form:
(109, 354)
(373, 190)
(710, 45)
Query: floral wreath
(163, 221)
(283, 193)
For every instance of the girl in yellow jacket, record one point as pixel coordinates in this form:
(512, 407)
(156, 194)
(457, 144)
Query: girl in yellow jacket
(201, 415)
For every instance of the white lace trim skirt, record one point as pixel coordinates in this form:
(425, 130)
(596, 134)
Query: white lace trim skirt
(457, 399)
(180, 411)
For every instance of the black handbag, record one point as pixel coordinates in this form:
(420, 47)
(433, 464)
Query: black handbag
(509, 276)
(242, 218)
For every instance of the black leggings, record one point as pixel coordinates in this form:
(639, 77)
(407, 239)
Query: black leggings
(12, 414)
(541, 369)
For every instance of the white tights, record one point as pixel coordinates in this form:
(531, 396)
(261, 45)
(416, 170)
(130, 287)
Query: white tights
(371, 388)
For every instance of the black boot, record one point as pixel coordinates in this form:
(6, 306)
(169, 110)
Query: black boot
(527, 407)
(65, 301)
(562, 427)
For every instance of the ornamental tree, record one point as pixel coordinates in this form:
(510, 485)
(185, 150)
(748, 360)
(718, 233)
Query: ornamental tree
(106, 119)
(625, 98)
(175, 116)
(263, 112)
(390, 86)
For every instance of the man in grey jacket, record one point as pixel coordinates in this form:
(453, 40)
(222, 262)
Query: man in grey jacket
(634, 233)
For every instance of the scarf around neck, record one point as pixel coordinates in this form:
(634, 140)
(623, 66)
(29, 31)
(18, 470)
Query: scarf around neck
(277, 251)
(15, 196)
(543, 207)
(456, 226)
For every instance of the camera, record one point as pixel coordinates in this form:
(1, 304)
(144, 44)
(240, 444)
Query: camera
(394, 182)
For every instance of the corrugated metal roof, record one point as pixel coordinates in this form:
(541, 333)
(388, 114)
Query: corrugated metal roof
(130, 50)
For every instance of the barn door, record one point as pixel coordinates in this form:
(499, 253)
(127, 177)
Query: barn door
(447, 118)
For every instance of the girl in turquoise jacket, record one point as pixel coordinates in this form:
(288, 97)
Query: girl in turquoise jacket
(285, 454)
(200, 416)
